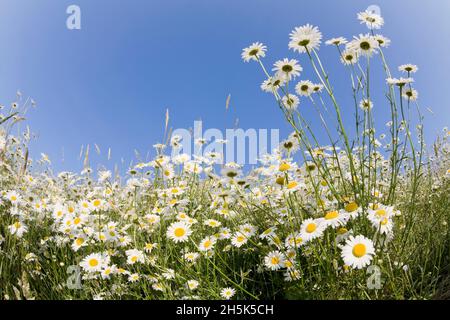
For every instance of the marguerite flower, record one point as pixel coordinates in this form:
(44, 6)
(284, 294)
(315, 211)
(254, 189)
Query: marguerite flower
(358, 252)
(305, 38)
(311, 229)
(287, 69)
(179, 231)
(254, 52)
(134, 255)
(274, 260)
(371, 19)
(93, 262)
(227, 293)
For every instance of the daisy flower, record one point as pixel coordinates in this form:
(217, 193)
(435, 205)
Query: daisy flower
(349, 57)
(408, 68)
(382, 40)
(334, 219)
(366, 104)
(238, 240)
(304, 88)
(288, 69)
(305, 38)
(273, 83)
(336, 41)
(254, 52)
(191, 256)
(371, 19)
(364, 44)
(192, 284)
(358, 252)
(18, 228)
(291, 102)
(93, 262)
(134, 255)
(179, 231)
(274, 260)
(207, 244)
(227, 293)
(410, 94)
(311, 229)
(13, 197)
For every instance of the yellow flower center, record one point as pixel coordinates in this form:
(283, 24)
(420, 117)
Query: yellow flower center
(280, 181)
(384, 221)
(311, 227)
(380, 213)
(13, 198)
(79, 241)
(352, 206)
(207, 244)
(77, 220)
(284, 167)
(331, 215)
(134, 258)
(359, 250)
(292, 185)
(342, 231)
(179, 232)
(96, 203)
(275, 260)
(93, 262)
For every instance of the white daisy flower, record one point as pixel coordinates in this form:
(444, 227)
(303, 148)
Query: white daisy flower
(287, 69)
(254, 52)
(311, 229)
(371, 19)
(227, 293)
(305, 38)
(274, 260)
(358, 252)
(179, 231)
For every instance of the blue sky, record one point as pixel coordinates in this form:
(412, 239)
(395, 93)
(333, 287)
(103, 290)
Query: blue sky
(111, 82)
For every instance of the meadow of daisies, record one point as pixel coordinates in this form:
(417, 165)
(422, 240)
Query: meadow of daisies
(363, 217)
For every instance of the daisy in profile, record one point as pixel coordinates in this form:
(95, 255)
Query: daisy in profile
(358, 252)
(410, 94)
(274, 260)
(364, 44)
(78, 243)
(254, 52)
(401, 82)
(352, 209)
(336, 41)
(304, 88)
(179, 231)
(311, 229)
(371, 19)
(334, 219)
(382, 40)
(288, 69)
(366, 104)
(408, 68)
(93, 262)
(273, 83)
(305, 38)
(227, 293)
(290, 102)
(134, 255)
(191, 256)
(349, 57)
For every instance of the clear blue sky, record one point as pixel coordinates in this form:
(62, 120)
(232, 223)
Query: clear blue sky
(111, 82)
